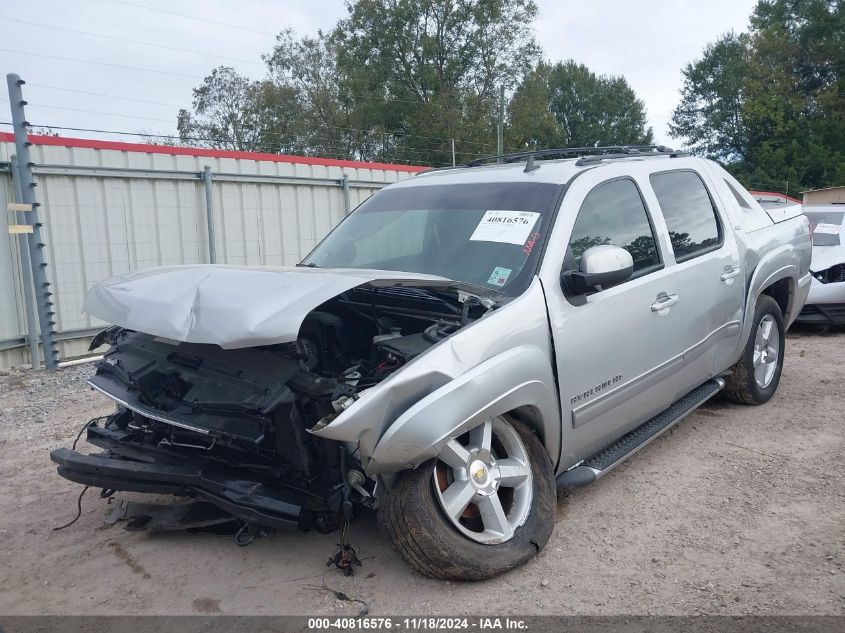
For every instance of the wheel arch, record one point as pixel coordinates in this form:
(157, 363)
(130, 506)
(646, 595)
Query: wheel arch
(531, 417)
(783, 292)
(779, 284)
(516, 382)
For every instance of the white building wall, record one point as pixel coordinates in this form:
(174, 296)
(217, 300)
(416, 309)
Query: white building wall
(107, 209)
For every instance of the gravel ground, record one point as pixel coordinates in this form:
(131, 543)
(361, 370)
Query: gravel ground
(739, 510)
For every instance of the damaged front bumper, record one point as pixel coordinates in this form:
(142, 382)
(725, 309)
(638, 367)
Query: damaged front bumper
(122, 467)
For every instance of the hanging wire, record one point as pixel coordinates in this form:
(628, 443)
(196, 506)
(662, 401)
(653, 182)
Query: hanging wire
(127, 40)
(78, 511)
(193, 17)
(97, 63)
(31, 84)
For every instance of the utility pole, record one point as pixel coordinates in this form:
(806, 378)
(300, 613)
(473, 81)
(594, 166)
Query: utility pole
(500, 129)
(453, 152)
(36, 242)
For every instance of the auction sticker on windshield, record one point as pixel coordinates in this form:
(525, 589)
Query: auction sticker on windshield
(509, 227)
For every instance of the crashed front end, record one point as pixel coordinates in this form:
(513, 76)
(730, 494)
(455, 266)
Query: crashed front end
(222, 425)
(233, 426)
(825, 303)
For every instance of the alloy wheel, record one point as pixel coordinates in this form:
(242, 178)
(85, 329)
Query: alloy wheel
(482, 480)
(766, 351)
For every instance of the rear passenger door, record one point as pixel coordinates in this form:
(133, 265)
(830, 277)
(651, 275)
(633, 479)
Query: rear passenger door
(619, 352)
(706, 271)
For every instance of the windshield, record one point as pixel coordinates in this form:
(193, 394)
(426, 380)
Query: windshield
(826, 227)
(487, 234)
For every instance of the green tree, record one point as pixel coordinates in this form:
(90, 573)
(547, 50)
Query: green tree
(424, 71)
(232, 112)
(710, 115)
(531, 123)
(567, 105)
(307, 69)
(770, 103)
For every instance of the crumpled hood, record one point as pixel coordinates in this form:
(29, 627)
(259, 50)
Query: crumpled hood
(823, 257)
(229, 306)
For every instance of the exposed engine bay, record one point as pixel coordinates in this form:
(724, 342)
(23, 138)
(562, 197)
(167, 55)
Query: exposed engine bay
(231, 425)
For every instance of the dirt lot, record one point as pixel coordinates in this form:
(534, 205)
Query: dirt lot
(740, 510)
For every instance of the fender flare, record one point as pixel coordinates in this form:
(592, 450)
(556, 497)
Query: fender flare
(755, 289)
(519, 378)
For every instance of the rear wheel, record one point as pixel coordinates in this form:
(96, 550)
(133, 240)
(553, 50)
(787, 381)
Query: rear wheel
(485, 505)
(756, 376)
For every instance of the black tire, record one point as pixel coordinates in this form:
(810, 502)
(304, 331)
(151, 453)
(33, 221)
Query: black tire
(741, 387)
(420, 532)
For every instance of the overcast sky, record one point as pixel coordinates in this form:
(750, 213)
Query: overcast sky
(647, 41)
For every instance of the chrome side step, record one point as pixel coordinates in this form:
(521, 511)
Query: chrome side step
(608, 458)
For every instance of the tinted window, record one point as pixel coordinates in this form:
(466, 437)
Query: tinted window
(688, 211)
(614, 213)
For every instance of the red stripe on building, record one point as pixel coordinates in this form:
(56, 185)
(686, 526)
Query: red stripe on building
(776, 195)
(62, 141)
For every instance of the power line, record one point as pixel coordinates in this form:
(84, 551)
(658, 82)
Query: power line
(193, 17)
(129, 41)
(393, 135)
(88, 61)
(125, 116)
(101, 94)
(278, 135)
(386, 101)
(326, 149)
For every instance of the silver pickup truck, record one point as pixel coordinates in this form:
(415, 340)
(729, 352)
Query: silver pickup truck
(459, 346)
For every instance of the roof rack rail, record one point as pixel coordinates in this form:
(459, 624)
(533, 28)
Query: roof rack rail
(588, 154)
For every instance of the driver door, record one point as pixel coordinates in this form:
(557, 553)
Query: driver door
(619, 353)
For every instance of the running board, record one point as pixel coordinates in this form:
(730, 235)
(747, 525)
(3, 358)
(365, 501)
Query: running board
(605, 460)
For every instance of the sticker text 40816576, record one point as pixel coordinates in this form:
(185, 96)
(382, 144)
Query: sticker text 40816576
(508, 227)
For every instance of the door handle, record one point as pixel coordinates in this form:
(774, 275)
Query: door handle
(664, 302)
(730, 273)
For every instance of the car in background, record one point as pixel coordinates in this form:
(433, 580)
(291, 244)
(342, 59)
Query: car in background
(826, 301)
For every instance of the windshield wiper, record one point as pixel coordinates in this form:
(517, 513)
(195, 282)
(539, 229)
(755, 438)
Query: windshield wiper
(308, 265)
(438, 296)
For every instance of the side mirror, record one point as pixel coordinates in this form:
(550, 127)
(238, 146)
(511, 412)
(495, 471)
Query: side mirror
(601, 266)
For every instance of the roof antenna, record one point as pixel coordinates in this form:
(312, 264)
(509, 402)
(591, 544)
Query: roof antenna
(529, 165)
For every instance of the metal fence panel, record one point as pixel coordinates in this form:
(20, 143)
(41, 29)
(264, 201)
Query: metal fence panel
(11, 307)
(110, 207)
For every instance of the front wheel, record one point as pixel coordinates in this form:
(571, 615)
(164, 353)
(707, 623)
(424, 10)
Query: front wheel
(483, 506)
(756, 376)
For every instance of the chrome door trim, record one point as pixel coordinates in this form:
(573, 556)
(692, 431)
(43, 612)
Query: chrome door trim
(728, 329)
(604, 402)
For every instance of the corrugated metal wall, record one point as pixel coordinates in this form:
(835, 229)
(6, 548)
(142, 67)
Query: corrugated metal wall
(107, 210)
